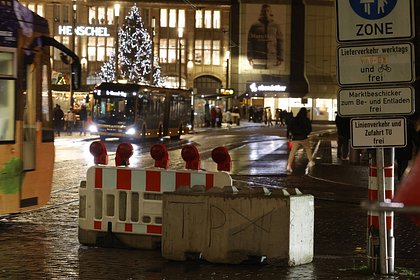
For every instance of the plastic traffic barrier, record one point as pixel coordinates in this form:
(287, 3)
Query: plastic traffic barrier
(122, 206)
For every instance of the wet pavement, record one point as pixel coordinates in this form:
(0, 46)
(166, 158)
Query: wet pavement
(43, 244)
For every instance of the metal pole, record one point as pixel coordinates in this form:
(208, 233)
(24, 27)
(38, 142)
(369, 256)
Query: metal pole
(227, 73)
(117, 15)
(73, 45)
(383, 244)
(179, 73)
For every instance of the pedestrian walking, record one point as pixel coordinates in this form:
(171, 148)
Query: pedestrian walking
(58, 118)
(70, 119)
(300, 127)
(343, 136)
(213, 116)
(83, 119)
(269, 117)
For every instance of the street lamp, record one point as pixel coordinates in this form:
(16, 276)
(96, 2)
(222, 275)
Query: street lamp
(117, 15)
(73, 45)
(227, 56)
(180, 34)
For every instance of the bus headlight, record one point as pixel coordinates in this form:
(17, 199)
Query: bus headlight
(131, 131)
(93, 128)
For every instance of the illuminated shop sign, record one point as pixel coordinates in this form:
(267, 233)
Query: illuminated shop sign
(227, 91)
(254, 87)
(96, 31)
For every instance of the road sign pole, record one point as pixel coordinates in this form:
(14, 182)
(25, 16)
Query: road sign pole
(382, 215)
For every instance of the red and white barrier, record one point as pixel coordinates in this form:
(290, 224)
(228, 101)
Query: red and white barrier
(373, 216)
(128, 200)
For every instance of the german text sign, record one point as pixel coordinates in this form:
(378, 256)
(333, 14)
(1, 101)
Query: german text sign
(376, 64)
(377, 133)
(376, 101)
(374, 19)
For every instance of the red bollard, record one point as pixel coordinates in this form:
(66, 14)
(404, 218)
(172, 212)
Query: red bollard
(159, 153)
(98, 150)
(409, 191)
(123, 154)
(191, 156)
(220, 155)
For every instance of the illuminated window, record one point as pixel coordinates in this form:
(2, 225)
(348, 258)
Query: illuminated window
(216, 19)
(216, 53)
(198, 51)
(181, 18)
(163, 18)
(172, 48)
(207, 19)
(163, 50)
(110, 15)
(198, 19)
(7, 96)
(31, 7)
(110, 49)
(207, 52)
(101, 15)
(92, 15)
(91, 48)
(56, 13)
(172, 18)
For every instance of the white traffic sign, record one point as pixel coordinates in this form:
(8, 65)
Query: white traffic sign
(376, 64)
(378, 133)
(374, 19)
(376, 101)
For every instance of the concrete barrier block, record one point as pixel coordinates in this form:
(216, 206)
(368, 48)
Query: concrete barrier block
(232, 228)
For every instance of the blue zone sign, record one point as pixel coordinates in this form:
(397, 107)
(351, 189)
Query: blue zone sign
(360, 20)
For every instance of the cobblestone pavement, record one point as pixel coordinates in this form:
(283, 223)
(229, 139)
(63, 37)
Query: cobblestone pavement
(43, 244)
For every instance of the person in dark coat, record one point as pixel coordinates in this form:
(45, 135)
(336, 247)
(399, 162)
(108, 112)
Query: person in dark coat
(343, 136)
(288, 117)
(58, 119)
(300, 127)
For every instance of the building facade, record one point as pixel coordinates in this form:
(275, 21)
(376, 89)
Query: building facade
(277, 54)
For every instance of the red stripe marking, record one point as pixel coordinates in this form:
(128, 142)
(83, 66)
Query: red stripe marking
(388, 170)
(98, 178)
(154, 229)
(182, 179)
(97, 224)
(373, 194)
(374, 221)
(123, 179)
(152, 181)
(209, 181)
(128, 227)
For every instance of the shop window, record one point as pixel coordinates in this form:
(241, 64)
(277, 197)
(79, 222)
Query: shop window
(91, 48)
(101, 49)
(110, 49)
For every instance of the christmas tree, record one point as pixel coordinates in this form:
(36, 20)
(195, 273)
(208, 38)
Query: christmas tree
(134, 54)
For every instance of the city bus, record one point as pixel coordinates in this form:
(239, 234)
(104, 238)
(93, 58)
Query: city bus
(26, 125)
(133, 111)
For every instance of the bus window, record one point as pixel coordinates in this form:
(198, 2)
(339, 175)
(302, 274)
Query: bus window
(46, 108)
(7, 113)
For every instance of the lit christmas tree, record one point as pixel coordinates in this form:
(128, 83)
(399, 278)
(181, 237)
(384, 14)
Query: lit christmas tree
(107, 73)
(134, 54)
